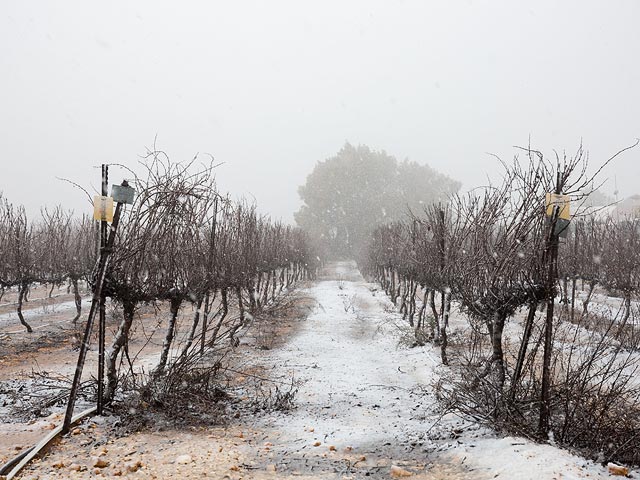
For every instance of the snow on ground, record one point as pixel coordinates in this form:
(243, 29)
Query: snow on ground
(363, 393)
(11, 318)
(364, 409)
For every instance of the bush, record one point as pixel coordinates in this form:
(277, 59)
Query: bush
(594, 393)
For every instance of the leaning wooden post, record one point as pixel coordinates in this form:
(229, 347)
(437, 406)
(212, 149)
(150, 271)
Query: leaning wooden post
(558, 213)
(103, 263)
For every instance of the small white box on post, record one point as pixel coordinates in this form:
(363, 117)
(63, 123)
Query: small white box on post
(122, 194)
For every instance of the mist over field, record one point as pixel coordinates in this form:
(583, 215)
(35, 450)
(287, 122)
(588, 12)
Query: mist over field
(271, 88)
(366, 239)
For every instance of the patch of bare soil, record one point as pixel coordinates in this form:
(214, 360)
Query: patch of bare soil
(249, 389)
(232, 452)
(36, 368)
(50, 318)
(54, 343)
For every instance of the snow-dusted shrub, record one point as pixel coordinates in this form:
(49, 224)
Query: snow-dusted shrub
(595, 392)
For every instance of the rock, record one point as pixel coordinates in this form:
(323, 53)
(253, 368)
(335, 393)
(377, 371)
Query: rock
(133, 466)
(332, 448)
(76, 431)
(398, 472)
(59, 464)
(99, 462)
(102, 452)
(618, 470)
(74, 467)
(317, 444)
(184, 459)
(271, 468)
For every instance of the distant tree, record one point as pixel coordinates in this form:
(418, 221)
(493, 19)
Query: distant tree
(347, 196)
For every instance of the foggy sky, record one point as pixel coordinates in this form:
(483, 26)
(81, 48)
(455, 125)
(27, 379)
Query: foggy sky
(270, 88)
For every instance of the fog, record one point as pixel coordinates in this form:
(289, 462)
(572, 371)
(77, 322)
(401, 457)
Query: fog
(270, 88)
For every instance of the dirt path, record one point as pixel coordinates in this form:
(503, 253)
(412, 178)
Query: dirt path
(361, 404)
(364, 409)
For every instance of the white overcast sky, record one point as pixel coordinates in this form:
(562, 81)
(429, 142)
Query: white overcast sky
(271, 87)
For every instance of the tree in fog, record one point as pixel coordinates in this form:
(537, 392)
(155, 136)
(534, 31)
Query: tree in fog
(347, 196)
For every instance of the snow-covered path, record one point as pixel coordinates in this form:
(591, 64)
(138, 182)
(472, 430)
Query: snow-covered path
(357, 385)
(364, 405)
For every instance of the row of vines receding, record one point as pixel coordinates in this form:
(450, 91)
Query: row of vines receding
(180, 247)
(478, 278)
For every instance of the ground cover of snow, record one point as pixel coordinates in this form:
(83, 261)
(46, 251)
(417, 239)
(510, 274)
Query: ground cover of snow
(365, 408)
(11, 318)
(361, 392)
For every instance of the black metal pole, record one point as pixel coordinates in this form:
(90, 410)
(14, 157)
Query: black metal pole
(102, 308)
(552, 276)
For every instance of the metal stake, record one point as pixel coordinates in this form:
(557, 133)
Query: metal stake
(102, 318)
